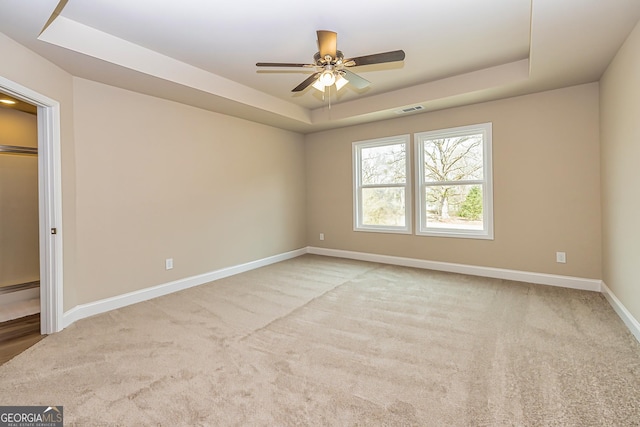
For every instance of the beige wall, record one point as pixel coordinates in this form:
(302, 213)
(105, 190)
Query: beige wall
(35, 73)
(19, 256)
(158, 179)
(545, 175)
(620, 141)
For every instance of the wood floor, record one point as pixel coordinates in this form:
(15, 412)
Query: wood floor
(17, 335)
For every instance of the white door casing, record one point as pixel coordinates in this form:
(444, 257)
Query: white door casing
(50, 203)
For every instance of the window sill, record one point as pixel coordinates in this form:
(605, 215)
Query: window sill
(456, 234)
(382, 230)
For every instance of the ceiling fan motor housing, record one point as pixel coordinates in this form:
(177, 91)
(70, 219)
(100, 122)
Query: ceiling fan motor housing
(328, 60)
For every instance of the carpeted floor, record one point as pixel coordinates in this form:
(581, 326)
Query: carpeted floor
(323, 341)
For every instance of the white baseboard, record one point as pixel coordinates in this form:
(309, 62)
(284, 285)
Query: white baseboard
(20, 296)
(496, 273)
(90, 309)
(621, 310)
(18, 309)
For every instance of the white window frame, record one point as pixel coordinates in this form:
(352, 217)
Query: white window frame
(486, 182)
(358, 186)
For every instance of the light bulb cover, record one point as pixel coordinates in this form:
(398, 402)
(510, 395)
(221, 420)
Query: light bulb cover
(318, 85)
(340, 82)
(327, 78)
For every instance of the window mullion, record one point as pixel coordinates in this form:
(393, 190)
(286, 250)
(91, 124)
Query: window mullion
(448, 183)
(383, 185)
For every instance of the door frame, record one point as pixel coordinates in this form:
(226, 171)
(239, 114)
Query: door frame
(49, 203)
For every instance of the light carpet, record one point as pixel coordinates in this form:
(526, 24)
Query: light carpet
(324, 341)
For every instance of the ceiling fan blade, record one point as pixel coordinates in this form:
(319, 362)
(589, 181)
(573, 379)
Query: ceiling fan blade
(308, 82)
(327, 43)
(376, 58)
(282, 64)
(354, 79)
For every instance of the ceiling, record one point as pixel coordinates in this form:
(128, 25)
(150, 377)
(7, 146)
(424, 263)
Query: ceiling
(199, 53)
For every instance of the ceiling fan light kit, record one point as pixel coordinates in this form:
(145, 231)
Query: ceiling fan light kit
(330, 65)
(327, 78)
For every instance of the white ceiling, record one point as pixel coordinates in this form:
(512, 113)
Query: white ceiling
(203, 53)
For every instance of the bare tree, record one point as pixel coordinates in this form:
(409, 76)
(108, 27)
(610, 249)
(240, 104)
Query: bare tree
(447, 160)
(384, 165)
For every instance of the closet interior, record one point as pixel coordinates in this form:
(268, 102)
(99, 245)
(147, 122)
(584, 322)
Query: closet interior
(19, 227)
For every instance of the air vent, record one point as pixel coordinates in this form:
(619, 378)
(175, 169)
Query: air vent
(410, 109)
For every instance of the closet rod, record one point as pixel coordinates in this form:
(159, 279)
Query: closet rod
(18, 150)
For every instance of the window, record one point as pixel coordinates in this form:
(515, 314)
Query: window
(382, 196)
(454, 190)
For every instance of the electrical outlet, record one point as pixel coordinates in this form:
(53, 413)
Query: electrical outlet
(321, 236)
(168, 263)
(561, 257)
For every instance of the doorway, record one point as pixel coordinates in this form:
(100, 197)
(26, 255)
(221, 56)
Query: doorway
(19, 241)
(49, 202)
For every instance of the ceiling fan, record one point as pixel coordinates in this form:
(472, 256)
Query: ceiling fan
(331, 67)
